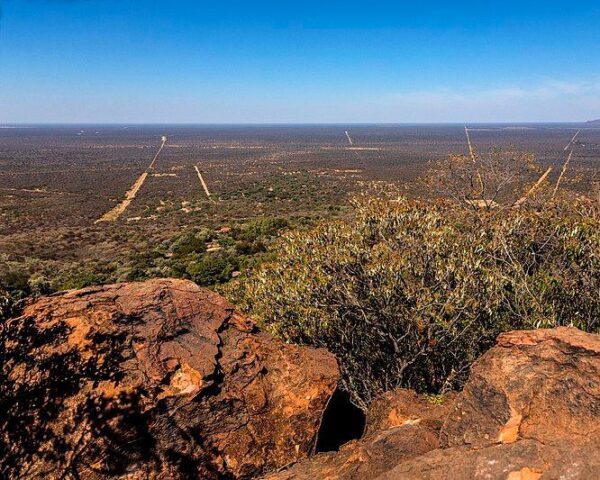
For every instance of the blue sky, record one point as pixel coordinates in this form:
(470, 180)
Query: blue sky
(125, 61)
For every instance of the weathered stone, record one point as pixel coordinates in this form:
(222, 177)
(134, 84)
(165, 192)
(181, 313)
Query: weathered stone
(530, 411)
(405, 407)
(523, 460)
(160, 379)
(365, 459)
(539, 384)
(400, 425)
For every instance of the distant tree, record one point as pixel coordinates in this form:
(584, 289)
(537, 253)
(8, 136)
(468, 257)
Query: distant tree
(500, 178)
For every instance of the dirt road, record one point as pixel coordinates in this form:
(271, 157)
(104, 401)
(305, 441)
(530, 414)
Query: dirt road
(117, 211)
(572, 140)
(471, 152)
(163, 140)
(202, 182)
(349, 138)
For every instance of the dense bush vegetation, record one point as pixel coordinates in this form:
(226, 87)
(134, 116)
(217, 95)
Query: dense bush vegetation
(409, 294)
(208, 257)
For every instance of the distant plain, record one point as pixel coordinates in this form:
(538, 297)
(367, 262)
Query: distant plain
(57, 181)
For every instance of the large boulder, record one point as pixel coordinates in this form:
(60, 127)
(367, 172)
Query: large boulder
(523, 460)
(160, 379)
(530, 411)
(542, 385)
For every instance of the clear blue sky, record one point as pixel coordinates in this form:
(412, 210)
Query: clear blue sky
(298, 61)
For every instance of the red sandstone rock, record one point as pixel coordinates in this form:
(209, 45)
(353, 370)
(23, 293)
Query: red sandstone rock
(160, 379)
(404, 407)
(365, 459)
(541, 384)
(523, 460)
(530, 411)
(400, 425)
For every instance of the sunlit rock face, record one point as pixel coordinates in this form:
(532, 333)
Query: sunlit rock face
(160, 379)
(529, 411)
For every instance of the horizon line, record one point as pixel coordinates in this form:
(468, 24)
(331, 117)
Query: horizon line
(121, 124)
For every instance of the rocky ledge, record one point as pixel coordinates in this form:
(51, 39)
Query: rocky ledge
(165, 380)
(160, 379)
(530, 411)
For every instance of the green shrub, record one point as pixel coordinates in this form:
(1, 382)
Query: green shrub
(260, 228)
(189, 243)
(409, 294)
(83, 279)
(210, 269)
(15, 281)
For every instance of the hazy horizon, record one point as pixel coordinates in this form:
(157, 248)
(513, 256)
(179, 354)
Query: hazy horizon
(290, 124)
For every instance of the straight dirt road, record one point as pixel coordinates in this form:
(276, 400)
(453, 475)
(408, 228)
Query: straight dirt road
(349, 138)
(163, 140)
(572, 140)
(471, 152)
(202, 182)
(114, 213)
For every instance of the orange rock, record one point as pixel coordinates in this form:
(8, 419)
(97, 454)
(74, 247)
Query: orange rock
(404, 407)
(529, 411)
(510, 431)
(525, 474)
(538, 384)
(158, 380)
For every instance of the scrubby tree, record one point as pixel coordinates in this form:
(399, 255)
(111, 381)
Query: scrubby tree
(410, 293)
(500, 178)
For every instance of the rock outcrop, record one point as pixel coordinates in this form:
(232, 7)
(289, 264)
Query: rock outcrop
(403, 407)
(400, 425)
(530, 410)
(542, 385)
(160, 379)
(165, 380)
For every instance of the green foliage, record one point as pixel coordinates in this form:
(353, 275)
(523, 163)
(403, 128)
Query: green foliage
(7, 305)
(409, 294)
(210, 270)
(185, 255)
(260, 228)
(15, 281)
(188, 256)
(82, 279)
(189, 243)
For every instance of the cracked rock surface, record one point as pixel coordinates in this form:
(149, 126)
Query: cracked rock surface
(153, 380)
(529, 411)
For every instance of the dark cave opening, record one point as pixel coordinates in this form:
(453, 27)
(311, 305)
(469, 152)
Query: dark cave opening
(342, 421)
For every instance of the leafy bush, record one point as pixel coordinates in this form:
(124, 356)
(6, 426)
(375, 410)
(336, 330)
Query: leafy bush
(409, 294)
(210, 270)
(260, 228)
(189, 243)
(14, 280)
(82, 279)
